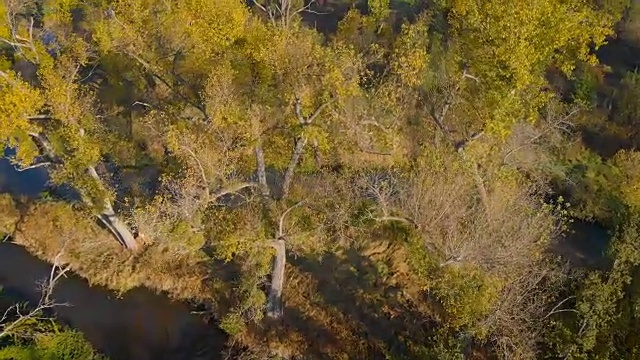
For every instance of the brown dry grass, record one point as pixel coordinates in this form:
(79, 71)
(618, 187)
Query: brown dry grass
(46, 229)
(9, 215)
(344, 306)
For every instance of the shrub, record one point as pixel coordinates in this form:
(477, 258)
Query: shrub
(66, 345)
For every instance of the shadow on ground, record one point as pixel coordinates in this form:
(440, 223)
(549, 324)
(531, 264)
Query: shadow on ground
(353, 308)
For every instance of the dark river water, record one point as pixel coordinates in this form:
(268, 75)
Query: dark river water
(139, 325)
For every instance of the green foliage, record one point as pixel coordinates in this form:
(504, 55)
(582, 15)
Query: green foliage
(379, 9)
(595, 189)
(585, 86)
(604, 189)
(601, 323)
(628, 105)
(237, 233)
(65, 345)
(18, 101)
(467, 295)
(232, 324)
(444, 347)
(410, 57)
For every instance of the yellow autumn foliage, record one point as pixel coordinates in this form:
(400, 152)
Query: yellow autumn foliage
(627, 166)
(410, 57)
(18, 101)
(508, 46)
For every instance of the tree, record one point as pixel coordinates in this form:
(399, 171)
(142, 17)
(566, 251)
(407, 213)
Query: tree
(284, 12)
(64, 345)
(510, 49)
(56, 118)
(20, 320)
(303, 87)
(251, 103)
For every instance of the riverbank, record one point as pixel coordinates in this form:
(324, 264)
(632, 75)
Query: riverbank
(138, 324)
(128, 306)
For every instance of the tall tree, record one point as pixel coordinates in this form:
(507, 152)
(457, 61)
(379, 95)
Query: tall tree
(510, 48)
(56, 113)
(247, 104)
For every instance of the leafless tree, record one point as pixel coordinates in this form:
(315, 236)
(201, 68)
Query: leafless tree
(13, 319)
(283, 11)
(517, 320)
(529, 142)
(452, 96)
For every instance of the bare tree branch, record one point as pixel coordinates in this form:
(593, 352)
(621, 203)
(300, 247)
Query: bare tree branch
(109, 218)
(232, 190)
(46, 303)
(260, 162)
(553, 125)
(398, 219)
(373, 152)
(281, 232)
(313, 116)
(203, 175)
(316, 153)
(555, 308)
(297, 107)
(301, 141)
(293, 163)
(34, 166)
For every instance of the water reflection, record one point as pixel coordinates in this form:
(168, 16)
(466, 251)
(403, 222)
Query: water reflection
(28, 183)
(584, 246)
(140, 325)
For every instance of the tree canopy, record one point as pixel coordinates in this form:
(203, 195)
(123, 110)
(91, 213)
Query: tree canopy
(395, 185)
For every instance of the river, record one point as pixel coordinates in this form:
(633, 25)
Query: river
(139, 325)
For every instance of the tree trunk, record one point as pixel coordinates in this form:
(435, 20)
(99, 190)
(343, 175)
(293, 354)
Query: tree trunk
(262, 170)
(274, 303)
(295, 158)
(260, 163)
(482, 190)
(109, 218)
(484, 197)
(316, 154)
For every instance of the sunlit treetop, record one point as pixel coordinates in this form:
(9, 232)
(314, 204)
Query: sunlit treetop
(47, 102)
(18, 101)
(379, 9)
(172, 36)
(510, 45)
(410, 57)
(274, 67)
(294, 62)
(515, 43)
(626, 165)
